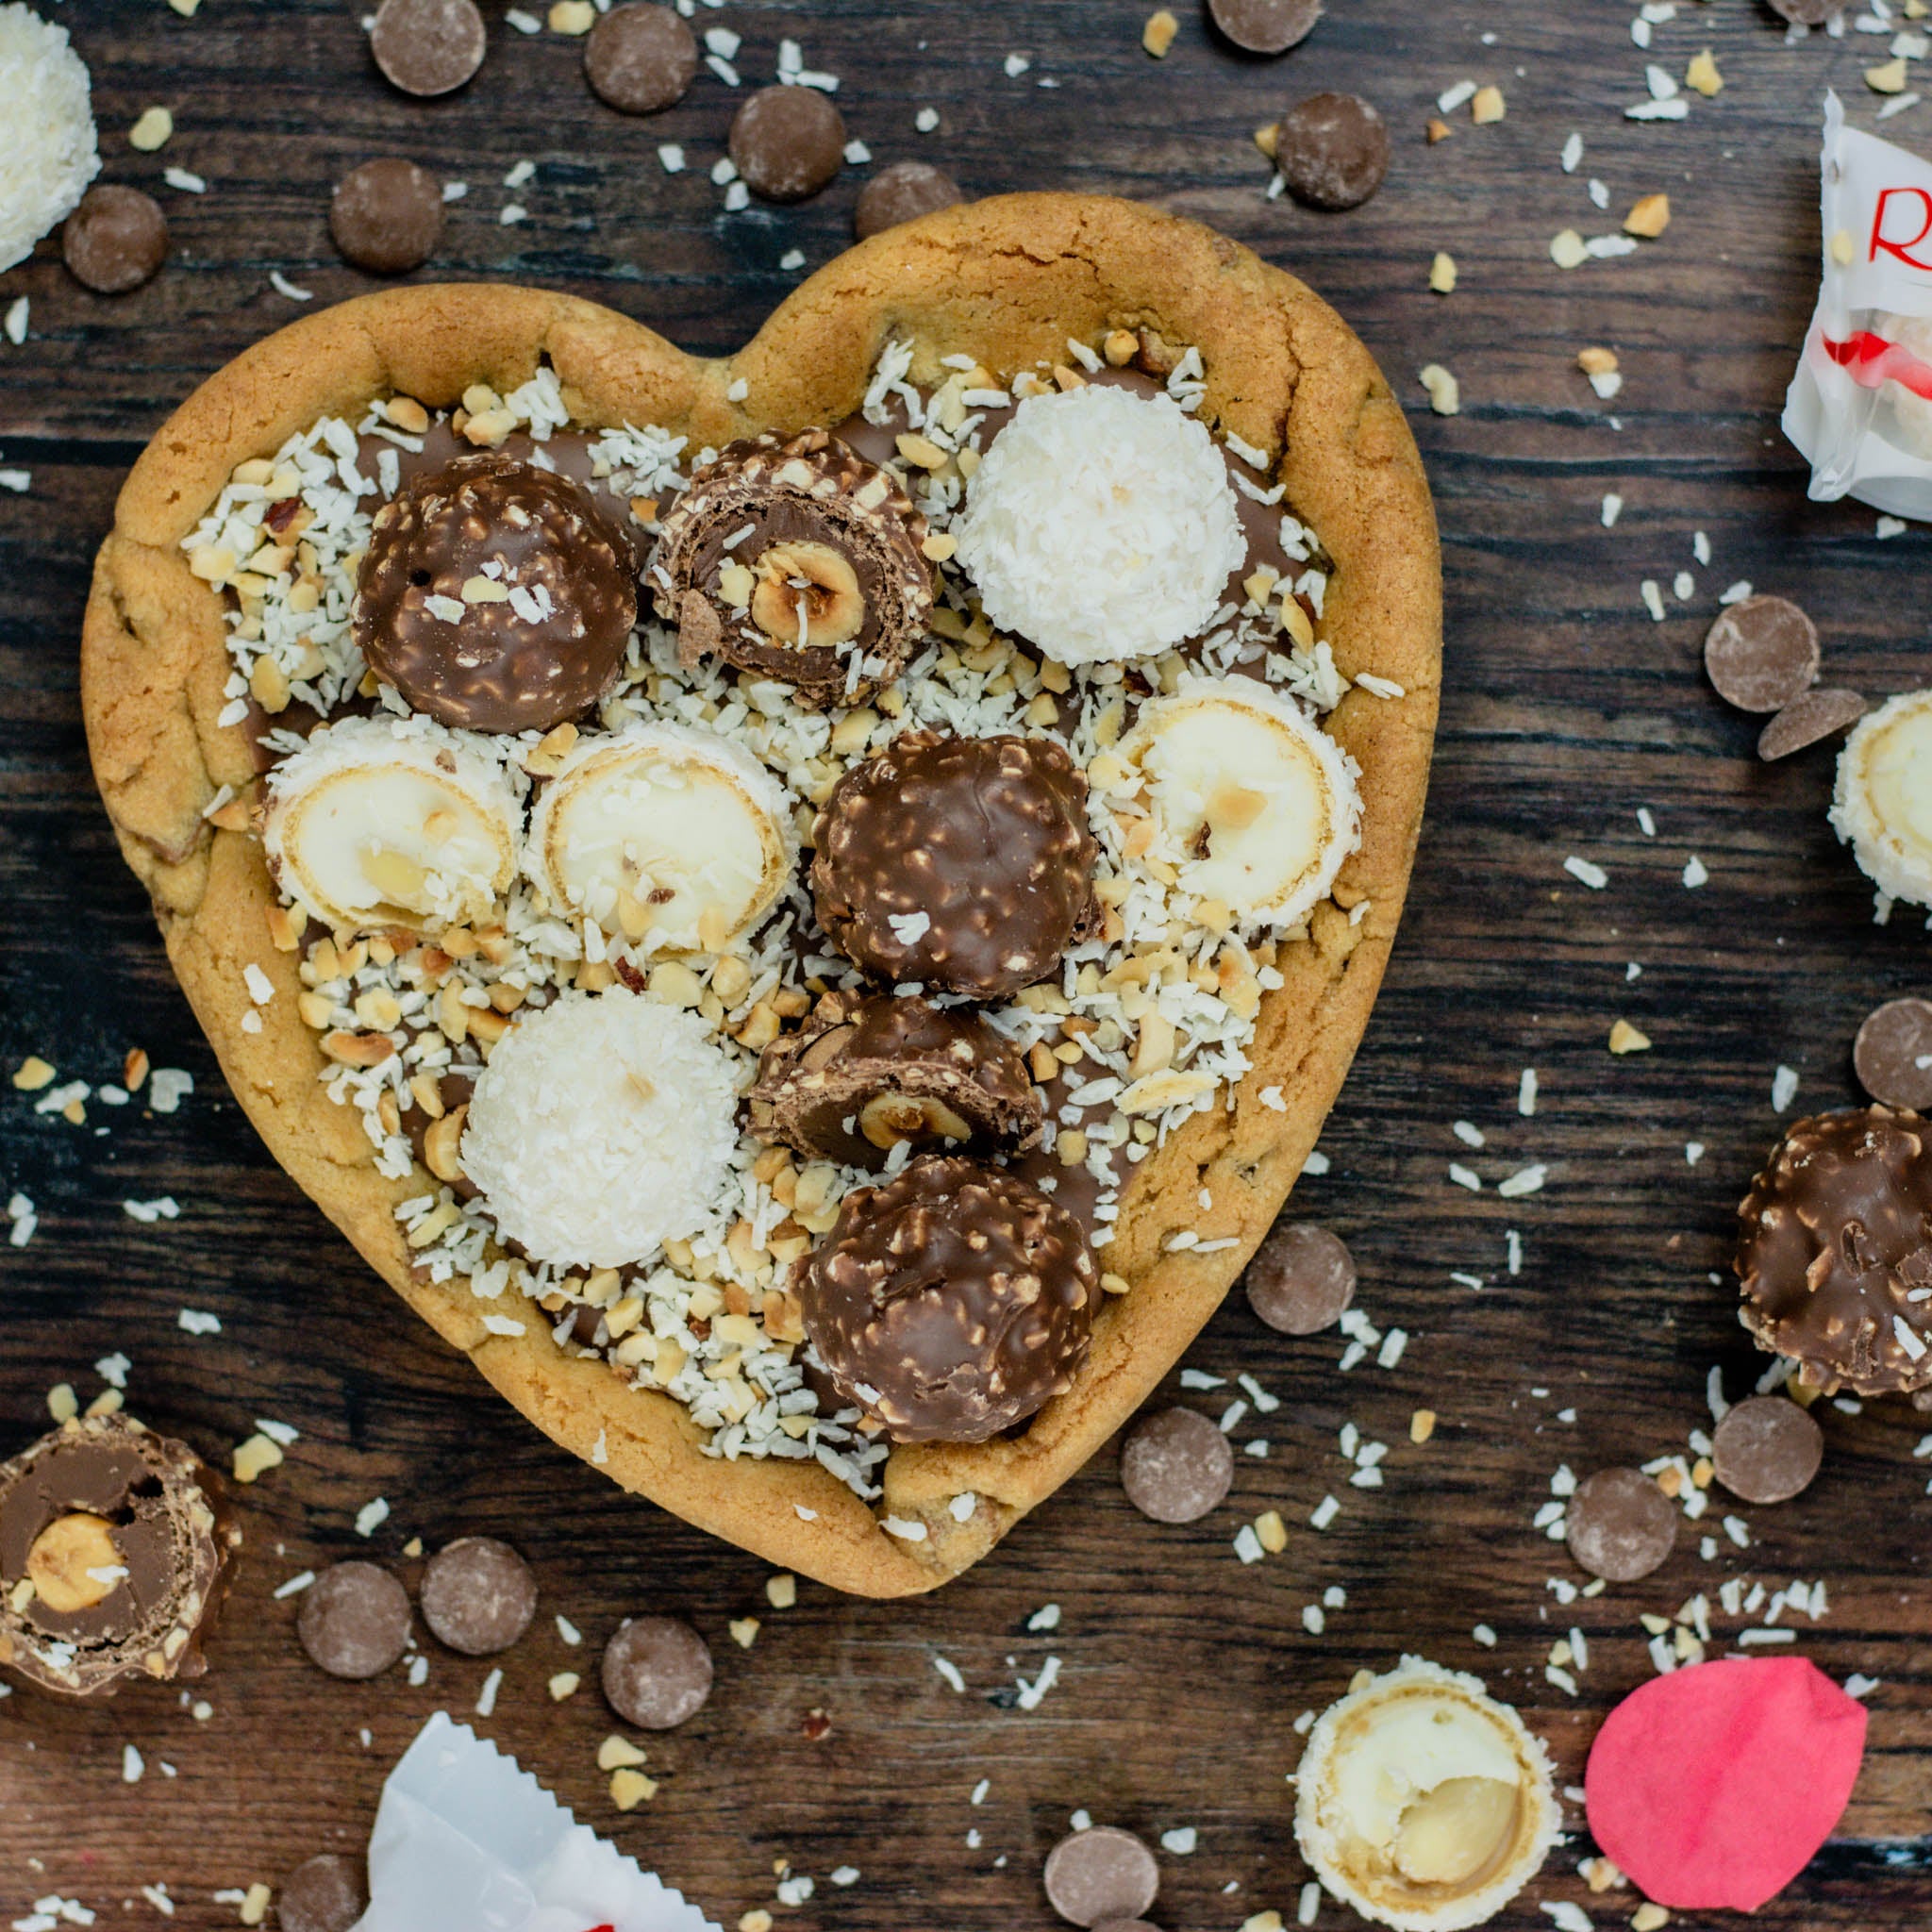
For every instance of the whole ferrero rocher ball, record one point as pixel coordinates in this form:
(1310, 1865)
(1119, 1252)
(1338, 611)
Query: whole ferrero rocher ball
(952, 1302)
(495, 597)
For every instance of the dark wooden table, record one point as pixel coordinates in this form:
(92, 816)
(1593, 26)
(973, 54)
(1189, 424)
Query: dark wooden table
(1566, 709)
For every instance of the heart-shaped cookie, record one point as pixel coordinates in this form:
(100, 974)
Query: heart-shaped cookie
(1019, 284)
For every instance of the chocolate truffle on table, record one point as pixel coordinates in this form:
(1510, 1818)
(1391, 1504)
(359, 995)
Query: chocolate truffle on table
(951, 1301)
(640, 59)
(1835, 1252)
(1332, 151)
(428, 47)
(865, 1074)
(113, 1550)
(495, 596)
(1882, 802)
(962, 863)
(795, 558)
(902, 193)
(387, 216)
(116, 240)
(787, 142)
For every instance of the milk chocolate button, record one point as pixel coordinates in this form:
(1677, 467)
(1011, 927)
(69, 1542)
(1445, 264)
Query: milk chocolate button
(1621, 1525)
(478, 1595)
(387, 216)
(1302, 1278)
(354, 1621)
(325, 1895)
(657, 1672)
(640, 59)
(427, 46)
(1332, 150)
(115, 240)
(788, 143)
(903, 193)
(1265, 26)
(1175, 1466)
(1892, 1055)
(1101, 1874)
(1808, 12)
(1809, 716)
(1767, 1450)
(1762, 653)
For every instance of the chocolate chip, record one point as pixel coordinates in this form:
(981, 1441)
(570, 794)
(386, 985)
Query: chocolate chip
(1101, 1874)
(657, 1672)
(1808, 717)
(354, 1621)
(1332, 150)
(427, 46)
(325, 1895)
(478, 1595)
(640, 59)
(787, 141)
(1621, 1525)
(1808, 12)
(1767, 1450)
(1265, 26)
(1892, 1055)
(903, 193)
(1302, 1278)
(115, 240)
(1762, 653)
(1175, 1466)
(387, 216)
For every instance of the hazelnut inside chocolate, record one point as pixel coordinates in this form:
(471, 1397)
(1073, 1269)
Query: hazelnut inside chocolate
(865, 1076)
(795, 559)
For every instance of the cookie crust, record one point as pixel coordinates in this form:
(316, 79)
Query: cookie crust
(1007, 280)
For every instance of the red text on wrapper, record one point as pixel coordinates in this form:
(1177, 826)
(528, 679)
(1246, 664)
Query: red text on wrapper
(1897, 243)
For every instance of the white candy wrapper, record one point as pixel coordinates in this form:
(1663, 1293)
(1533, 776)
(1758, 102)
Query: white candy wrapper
(1859, 407)
(465, 1842)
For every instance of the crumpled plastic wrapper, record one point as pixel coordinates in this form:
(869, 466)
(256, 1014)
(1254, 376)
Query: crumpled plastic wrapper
(465, 1839)
(1859, 407)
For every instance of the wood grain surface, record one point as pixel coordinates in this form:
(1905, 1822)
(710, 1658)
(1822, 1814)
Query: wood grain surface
(1566, 709)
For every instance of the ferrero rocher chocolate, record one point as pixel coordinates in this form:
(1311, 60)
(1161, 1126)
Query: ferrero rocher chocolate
(962, 863)
(495, 597)
(1835, 1251)
(797, 560)
(950, 1303)
(865, 1074)
(112, 1547)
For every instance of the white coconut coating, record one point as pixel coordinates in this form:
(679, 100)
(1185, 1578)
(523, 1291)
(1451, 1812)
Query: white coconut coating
(1101, 526)
(49, 154)
(1883, 805)
(603, 1126)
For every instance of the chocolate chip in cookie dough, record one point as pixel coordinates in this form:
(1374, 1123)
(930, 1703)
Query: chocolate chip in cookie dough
(1175, 1466)
(1621, 1525)
(387, 216)
(787, 142)
(494, 595)
(1811, 716)
(950, 1303)
(1265, 26)
(657, 1672)
(327, 1895)
(478, 1595)
(1892, 1054)
(354, 1621)
(903, 193)
(1302, 1278)
(1332, 150)
(116, 240)
(866, 1075)
(427, 46)
(964, 864)
(640, 59)
(1762, 653)
(1099, 1874)
(1766, 1450)
(795, 558)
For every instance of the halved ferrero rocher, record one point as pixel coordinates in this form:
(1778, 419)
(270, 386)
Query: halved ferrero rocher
(1250, 803)
(669, 836)
(1422, 1802)
(797, 560)
(865, 1074)
(381, 821)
